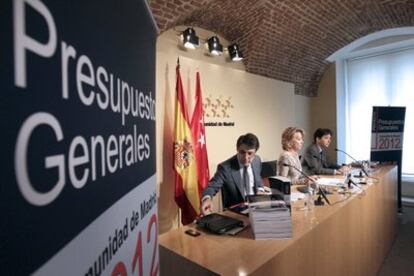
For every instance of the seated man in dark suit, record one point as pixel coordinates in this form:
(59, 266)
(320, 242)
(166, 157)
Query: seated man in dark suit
(314, 160)
(237, 177)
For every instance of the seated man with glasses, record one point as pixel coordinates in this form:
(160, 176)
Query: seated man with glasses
(237, 177)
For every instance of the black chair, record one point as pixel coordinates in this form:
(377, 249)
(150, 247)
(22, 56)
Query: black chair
(269, 168)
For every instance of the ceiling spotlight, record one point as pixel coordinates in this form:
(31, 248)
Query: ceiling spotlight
(214, 46)
(189, 39)
(234, 52)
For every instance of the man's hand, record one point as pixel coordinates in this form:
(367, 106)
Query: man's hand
(314, 177)
(260, 192)
(206, 206)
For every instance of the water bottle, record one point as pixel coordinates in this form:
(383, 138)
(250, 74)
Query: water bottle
(365, 165)
(309, 199)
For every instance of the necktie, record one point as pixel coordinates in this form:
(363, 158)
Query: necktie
(246, 181)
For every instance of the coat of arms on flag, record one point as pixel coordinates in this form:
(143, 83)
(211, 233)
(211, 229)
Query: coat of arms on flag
(183, 153)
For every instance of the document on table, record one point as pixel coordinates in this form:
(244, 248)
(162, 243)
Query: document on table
(330, 181)
(295, 196)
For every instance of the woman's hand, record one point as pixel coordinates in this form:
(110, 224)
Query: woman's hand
(344, 170)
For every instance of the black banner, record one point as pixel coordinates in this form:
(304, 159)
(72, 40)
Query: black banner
(387, 137)
(77, 119)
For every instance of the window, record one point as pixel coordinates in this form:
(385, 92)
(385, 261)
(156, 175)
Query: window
(379, 80)
(376, 70)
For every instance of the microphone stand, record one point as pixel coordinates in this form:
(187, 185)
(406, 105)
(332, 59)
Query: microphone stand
(358, 162)
(318, 201)
(350, 182)
(317, 157)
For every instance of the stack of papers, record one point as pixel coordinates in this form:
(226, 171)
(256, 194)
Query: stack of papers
(270, 218)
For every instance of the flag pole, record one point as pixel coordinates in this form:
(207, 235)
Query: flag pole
(178, 209)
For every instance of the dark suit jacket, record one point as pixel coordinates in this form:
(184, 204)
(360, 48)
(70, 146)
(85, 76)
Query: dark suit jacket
(229, 179)
(320, 165)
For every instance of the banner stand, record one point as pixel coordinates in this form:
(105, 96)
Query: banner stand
(387, 138)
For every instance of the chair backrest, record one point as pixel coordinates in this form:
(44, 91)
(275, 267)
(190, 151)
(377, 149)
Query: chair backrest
(269, 168)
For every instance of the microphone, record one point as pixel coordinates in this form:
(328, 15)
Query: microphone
(302, 189)
(320, 190)
(358, 162)
(300, 171)
(324, 190)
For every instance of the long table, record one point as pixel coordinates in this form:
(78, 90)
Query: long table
(350, 237)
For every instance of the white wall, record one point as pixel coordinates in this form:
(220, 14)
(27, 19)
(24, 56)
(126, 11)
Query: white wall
(323, 108)
(303, 115)
(261, 105)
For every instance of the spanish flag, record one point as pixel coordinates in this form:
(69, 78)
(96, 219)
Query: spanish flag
(186, 186)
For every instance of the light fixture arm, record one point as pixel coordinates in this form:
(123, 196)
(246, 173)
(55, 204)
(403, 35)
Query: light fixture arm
(190, 40)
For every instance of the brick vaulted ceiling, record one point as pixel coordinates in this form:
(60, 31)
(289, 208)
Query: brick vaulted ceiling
(286, 40)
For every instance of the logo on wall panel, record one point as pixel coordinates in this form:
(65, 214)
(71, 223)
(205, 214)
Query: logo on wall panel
(218, 108)
(387, 128)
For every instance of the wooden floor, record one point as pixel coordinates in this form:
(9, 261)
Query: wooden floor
(400, 259)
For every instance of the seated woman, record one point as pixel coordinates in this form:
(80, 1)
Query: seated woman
(292, 142)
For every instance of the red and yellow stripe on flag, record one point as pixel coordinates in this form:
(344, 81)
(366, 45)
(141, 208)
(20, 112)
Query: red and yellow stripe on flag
(186, 186)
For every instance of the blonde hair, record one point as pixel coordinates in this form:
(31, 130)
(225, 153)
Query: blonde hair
(287, 136)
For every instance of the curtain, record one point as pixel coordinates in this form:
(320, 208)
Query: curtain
(380, 80)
